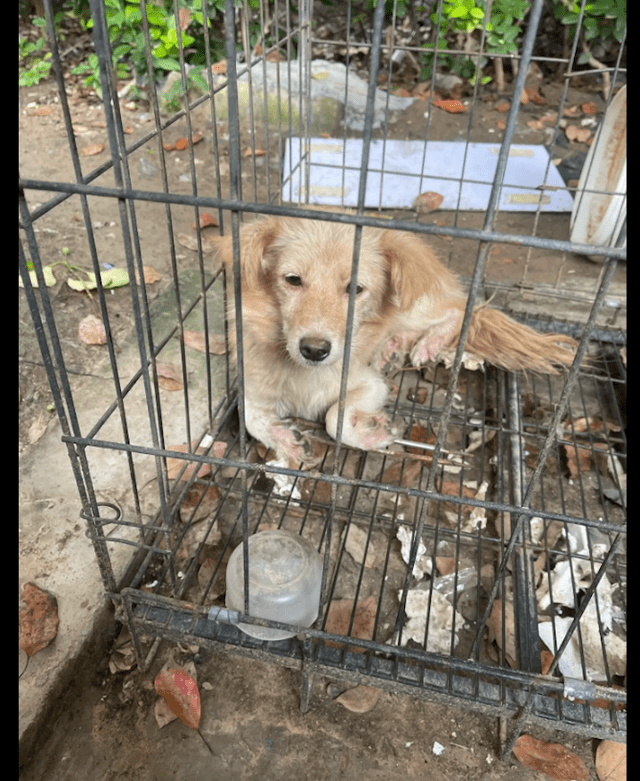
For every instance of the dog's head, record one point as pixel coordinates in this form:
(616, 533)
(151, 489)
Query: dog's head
(302, 270)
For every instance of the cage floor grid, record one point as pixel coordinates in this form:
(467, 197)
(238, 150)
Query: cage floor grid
(456, 593)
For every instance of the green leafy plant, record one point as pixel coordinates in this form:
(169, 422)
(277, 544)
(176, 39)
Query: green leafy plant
(34, 63)
(166, 33)
(460, 18)
(462, 21)
(603, 20)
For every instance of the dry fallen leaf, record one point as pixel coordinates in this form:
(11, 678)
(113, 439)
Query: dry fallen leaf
(91, 330)
(43, 111)
(191, 242)
(420, 434)
(355, 543)
(199, 503)
(174, 465)
(122, 659)
(579, 459)
(575, 133)
(494, 625)
(360, 699)
(452, 106)
(589, 108)
(181, 693)
(163, 713)
(219, 67)
(183, 143)
(534, 96)
(196, 340)
(38, 620)
(184, 15)
(150, 275)
(503, 107)
(91, 149)
(169, 376)
(339, 618)
(551, 758)
(549, 118)
(407, 471)
(611, 761)
(255, 152)
(206, 221)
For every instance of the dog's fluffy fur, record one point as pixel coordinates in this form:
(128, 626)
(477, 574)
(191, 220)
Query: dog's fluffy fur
(295, 289)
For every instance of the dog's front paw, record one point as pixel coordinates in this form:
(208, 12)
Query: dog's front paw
(431, 341)
(394, 352)
(372, 431)
(290, 443)
(426, 349)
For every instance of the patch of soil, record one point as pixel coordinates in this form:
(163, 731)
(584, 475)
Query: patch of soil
(253, 727)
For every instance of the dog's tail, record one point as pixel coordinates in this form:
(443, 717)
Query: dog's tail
(510, 345)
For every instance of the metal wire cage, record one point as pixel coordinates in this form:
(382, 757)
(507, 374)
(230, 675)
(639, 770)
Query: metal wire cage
(482, 561)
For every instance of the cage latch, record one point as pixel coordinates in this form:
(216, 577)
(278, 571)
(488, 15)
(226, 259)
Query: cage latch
(577, 689)
(224, 615)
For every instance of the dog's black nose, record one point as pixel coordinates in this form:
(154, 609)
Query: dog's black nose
(315, 350)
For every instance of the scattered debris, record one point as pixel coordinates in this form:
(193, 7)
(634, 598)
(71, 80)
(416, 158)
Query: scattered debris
(123, 657)
(424, 604)
(358, 544)
(423, 563)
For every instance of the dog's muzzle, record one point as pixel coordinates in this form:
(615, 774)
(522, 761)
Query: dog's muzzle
(314, 350)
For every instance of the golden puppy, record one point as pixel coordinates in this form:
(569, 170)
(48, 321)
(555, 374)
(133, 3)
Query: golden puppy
(296, 277)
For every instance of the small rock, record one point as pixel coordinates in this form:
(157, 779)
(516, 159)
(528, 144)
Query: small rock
(148, 169)
(38, 620)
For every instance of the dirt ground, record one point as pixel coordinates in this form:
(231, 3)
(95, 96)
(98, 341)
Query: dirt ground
(251, 720)
(254, 729)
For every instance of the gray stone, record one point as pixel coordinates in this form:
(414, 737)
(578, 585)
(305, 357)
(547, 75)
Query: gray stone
(335, 90)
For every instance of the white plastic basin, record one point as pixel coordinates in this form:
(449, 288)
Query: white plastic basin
(597, 218)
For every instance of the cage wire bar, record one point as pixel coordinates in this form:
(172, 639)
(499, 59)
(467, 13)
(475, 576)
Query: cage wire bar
(508, 541)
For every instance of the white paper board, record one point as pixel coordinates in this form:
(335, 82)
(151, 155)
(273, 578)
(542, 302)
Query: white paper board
(461, 173)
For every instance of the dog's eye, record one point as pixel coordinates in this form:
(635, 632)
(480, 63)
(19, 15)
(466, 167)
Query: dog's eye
(293, 279)
(359, 289)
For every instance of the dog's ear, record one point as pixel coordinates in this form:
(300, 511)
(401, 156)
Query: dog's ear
(414, 270)
(255, 240)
